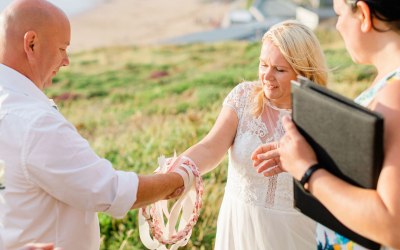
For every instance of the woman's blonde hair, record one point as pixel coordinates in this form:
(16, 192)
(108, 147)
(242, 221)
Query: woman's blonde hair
(301, 49)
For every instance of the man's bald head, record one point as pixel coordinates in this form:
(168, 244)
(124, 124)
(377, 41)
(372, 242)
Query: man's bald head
(22, 16)
(29, 29)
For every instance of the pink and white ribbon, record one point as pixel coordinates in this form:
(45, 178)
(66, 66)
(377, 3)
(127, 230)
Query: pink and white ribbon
(151, 218)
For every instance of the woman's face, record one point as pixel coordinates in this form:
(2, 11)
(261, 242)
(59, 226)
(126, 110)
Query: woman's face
(349, 27)
(275, 74)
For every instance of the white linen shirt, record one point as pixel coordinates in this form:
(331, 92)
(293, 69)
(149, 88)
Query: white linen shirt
(54, 182)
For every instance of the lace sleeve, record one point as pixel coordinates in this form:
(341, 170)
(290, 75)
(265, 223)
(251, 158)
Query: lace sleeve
(238, 98)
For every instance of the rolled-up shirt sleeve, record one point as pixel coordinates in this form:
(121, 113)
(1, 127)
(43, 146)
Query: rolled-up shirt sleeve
(58, 160)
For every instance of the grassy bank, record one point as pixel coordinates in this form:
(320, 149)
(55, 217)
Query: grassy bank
(136, 103)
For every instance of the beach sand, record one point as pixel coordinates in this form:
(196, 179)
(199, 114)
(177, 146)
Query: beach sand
(139, 22)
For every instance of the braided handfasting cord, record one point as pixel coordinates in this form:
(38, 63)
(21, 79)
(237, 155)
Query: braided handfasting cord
(190, 203)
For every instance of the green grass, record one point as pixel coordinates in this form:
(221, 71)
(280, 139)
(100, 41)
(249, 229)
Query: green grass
(135, 103)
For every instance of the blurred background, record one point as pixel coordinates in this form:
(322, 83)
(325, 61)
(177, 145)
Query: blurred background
(102, 23)
(148, 77)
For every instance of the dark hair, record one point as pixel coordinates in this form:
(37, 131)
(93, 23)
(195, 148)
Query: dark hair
(385, 10)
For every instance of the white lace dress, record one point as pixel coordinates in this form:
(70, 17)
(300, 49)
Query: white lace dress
(257, 212)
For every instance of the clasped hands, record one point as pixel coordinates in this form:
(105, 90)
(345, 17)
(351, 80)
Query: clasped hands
(291, 154)
(172, 166)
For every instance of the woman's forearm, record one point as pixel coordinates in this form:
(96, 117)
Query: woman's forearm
(344, 201)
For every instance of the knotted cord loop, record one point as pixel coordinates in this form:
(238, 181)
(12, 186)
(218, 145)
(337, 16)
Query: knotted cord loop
(151, 218)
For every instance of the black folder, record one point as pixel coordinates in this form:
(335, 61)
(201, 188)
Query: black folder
(348, 141)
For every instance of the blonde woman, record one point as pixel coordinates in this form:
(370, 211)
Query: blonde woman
(257, 211)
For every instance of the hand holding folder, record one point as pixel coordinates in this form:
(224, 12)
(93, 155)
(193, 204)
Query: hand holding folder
(348, 141)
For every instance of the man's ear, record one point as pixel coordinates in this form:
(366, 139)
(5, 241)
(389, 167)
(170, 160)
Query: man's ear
(365, 16)
(30, 42)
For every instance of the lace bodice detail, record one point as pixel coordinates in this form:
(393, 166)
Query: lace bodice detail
(243, 180)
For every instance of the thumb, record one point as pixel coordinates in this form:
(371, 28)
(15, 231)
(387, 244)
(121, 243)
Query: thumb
(289, 125)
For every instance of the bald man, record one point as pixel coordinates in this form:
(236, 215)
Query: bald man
(54, 182)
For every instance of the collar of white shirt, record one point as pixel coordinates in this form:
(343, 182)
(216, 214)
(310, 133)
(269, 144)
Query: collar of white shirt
(17, 82)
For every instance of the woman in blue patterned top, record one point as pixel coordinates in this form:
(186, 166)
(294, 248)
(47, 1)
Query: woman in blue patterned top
(371, 32)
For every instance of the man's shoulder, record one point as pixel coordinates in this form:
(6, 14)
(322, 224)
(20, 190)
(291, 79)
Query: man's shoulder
(25, 110)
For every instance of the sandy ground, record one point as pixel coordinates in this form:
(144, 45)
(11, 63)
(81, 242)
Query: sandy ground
(127, 22)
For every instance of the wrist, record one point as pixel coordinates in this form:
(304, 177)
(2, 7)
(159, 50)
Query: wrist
(177, 179)
(304, 180)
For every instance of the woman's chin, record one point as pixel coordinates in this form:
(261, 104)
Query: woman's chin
(270, 94)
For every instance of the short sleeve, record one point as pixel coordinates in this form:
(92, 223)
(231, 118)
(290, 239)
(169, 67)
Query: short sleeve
(239, 97)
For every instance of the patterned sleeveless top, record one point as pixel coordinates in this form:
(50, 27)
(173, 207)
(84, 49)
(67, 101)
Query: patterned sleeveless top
(326, 238)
